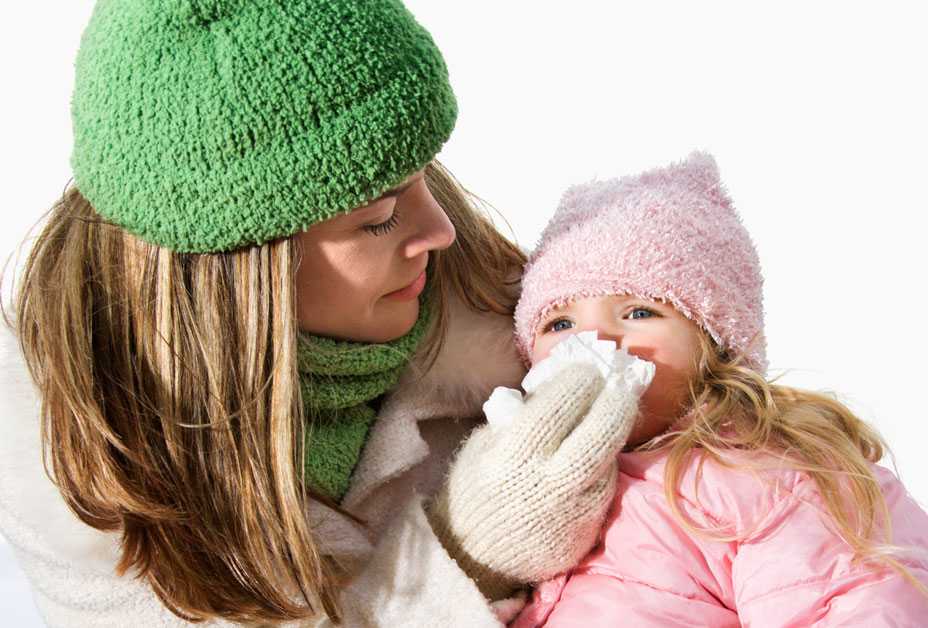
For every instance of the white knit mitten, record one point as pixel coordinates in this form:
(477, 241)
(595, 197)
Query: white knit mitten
(524, 503)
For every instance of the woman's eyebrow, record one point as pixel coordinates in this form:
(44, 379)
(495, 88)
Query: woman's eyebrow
(363, 211)
(398, 190)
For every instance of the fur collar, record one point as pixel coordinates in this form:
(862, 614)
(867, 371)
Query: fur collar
(478, 354)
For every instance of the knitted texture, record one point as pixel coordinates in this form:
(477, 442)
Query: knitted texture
(669, 234)
(524, 503)
(206, 125)
(338, 379)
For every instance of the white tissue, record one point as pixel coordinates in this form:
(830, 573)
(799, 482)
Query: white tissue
(617, 366)
(503, 404)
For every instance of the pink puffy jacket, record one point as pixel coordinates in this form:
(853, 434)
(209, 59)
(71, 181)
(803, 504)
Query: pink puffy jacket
(789, 568)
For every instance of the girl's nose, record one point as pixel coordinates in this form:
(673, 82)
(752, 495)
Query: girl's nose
(609, 332)
(433, 231)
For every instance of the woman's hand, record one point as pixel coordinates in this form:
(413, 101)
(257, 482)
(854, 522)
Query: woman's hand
(526, 502)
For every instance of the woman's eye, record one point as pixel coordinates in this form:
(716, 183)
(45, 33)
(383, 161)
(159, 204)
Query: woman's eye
(383, 227)
(560, 324)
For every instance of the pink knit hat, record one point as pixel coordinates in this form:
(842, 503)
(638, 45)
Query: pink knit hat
(669, 234)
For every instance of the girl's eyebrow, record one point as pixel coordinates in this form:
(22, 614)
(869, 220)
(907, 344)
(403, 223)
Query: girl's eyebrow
(552, 314)
(630, 298)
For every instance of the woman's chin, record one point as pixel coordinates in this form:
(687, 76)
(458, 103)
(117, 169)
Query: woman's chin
(395, 319)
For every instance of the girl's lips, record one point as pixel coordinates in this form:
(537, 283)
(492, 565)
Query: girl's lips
(409, 292)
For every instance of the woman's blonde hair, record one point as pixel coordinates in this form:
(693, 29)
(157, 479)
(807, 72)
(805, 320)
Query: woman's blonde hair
(171, 410)
(734, 408)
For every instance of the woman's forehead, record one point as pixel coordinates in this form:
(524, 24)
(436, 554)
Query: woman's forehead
(395, 191)
(370, 209)
(349, 220)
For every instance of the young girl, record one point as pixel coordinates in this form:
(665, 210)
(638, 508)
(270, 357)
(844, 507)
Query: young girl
(738, 502)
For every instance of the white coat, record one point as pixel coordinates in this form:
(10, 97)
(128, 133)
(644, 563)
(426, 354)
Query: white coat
(405, 576)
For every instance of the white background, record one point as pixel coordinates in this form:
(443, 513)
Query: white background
(814, 111)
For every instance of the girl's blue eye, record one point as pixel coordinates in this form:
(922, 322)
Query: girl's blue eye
(640, 312)
(385, 226)
(560, 324)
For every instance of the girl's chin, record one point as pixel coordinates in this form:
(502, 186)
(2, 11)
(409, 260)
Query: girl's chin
(645, 429)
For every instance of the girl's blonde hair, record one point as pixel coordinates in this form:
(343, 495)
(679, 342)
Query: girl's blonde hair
(735, 408)
(171, 410)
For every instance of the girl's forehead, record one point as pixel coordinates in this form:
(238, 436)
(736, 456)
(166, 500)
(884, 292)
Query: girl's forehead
(583, 301)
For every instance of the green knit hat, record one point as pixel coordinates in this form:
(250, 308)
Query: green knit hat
(206, 125)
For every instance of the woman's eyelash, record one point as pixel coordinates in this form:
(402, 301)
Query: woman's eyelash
(381, 228)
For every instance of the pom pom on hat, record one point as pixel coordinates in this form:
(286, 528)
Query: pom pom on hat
(669, 234)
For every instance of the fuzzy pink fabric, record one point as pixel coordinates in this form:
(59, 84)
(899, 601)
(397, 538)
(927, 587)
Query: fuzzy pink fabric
(669, 234)
(790, 567)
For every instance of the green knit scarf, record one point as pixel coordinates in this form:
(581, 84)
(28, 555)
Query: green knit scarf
(338, 380)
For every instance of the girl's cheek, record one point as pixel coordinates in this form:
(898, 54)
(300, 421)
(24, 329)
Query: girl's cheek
(544, 345)
(540, 350)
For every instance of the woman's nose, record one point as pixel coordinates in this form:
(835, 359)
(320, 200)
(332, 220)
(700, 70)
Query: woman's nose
(433, 231)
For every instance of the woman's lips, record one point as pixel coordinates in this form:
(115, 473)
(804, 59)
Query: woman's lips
(409, 292)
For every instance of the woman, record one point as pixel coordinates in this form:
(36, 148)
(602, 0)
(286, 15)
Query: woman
(251, 335)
